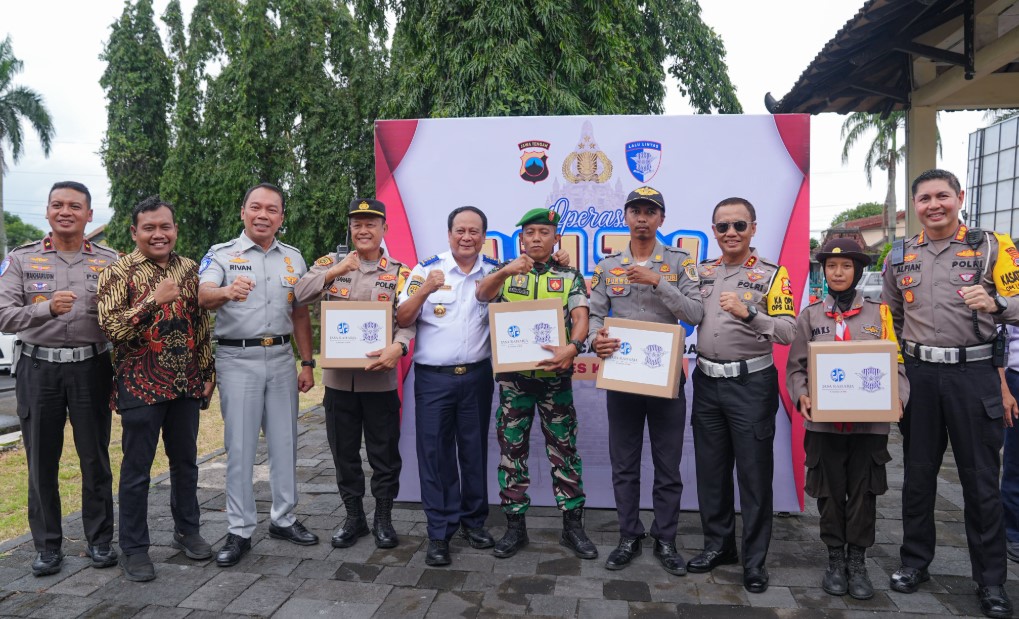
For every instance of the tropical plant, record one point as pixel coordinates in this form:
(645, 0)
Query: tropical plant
(18, 103)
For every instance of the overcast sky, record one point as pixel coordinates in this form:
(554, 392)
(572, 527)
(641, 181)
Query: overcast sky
(768, 43)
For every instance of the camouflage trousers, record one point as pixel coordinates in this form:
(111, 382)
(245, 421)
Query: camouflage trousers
(519, 395)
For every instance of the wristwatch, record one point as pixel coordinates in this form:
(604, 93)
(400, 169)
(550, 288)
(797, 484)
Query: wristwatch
(405, 349)
(752, 313)
(1001, 302)
(580, 346)
(308, 364)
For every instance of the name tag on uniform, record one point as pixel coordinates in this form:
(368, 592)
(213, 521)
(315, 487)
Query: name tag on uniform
(444, 294)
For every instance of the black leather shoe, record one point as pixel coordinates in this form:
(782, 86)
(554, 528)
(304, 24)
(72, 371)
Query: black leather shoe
(477, 538)
(233, 549)
(102, 555)
(624, 552)
(138, 567)
(514, 538)
(295, 533)
(47, 562)
(908, 579)
(438, 553)
(994, 602)
(669, 557)
(710, 559)
(193, 544)
(1012, 551)
(352, 529)
(574, 537)
(755, 579)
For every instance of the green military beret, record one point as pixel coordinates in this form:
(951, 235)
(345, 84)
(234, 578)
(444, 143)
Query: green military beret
(539, 216)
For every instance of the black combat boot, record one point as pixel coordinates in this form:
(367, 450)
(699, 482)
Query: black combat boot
(835, 580)
(382, 524)
(574, 537)
(860, 587)
(515, 537)
(354, 526)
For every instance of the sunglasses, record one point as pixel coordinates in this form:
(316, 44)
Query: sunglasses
(723, 226)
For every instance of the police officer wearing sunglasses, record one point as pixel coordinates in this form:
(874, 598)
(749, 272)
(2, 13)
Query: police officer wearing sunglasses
(748, 306)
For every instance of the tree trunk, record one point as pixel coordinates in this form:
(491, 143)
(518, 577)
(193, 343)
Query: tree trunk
(890, 207)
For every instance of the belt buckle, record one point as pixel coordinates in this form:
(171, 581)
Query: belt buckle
(268, 341)
(65, 355)
(937, 355)
(733, 367)
(460, 370)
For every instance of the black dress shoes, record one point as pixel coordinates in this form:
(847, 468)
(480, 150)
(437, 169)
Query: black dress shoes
(710, 559)
(233, 549)
(908, 579)
(138, 567)
(295, 533)
(47, 562)
(755, 579)
(994, 602)
(102, 555)
(193, 544)
(477, 538)
(438, 553)
(670, 558)
(620, 557)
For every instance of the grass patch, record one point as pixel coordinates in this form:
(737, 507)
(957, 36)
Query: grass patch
(14, 470)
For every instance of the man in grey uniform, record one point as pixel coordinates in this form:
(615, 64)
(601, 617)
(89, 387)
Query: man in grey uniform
(250, 281)
(48, 297)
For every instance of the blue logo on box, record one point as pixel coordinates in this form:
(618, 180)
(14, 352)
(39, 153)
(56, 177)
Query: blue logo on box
(625, 348)
(838, 375)
(343, 328)
(513, 331)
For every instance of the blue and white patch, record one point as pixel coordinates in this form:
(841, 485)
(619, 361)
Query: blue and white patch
(206, 261)
(643, 158)
(3, 265)
(489, 260)
(431, 260)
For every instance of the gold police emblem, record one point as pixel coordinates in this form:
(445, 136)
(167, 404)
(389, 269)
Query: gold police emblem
(364, 206)
(440, 310)
(646, 191)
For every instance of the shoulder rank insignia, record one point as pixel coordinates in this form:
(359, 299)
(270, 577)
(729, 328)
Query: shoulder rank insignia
(489, 260)
(431, 260)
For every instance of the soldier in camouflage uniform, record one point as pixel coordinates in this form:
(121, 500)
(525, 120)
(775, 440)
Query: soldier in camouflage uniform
(536, 275)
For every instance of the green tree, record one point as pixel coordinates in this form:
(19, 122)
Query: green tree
(139, 93)
(536, 57)
(864, 209)
(20, 232)
(883, 153)
(17, 103)
(994, 116)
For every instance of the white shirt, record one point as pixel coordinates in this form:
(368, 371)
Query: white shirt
(460, 335)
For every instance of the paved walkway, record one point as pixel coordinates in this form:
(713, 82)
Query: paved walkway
(279, 579)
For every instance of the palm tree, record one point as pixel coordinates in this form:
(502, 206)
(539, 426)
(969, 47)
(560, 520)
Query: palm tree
(883, 153)
(17, 103)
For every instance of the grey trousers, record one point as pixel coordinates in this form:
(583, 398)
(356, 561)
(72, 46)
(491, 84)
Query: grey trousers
(258, 391)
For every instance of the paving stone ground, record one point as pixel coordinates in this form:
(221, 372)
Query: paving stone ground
(278, 579)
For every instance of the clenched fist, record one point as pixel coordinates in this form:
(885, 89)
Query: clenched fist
(166, 291)
(61, 302)
(240, 288)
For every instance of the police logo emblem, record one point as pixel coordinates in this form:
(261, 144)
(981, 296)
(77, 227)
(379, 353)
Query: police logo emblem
(595, 279)
(908, 296)
(748, 295)
(664, 269)
(1013, 254)
(754, 275)
(555, 284)
(324, 261)
(533, 160)
(383, 296)
(618, 290)
(587, 164)
(643, 158)
(38, 298)
(906, 281)
(440, 310)
(4, 265)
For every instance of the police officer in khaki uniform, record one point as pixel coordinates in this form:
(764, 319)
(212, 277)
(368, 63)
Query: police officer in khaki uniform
(946, 288)
(748, 306)
(48, 297)
(651, 282)
(363, 400)
(250, 281)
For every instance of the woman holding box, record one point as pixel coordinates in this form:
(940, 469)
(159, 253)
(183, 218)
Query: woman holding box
(845, 461)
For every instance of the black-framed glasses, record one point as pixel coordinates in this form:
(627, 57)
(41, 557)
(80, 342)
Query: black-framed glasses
(723, 226)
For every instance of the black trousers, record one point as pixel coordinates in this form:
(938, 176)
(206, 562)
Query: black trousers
(734, 424)
(48, 394)
(666, 425)
(961, 403)
(376, 414)
(178, 420)
(452, 417)
(846, 473)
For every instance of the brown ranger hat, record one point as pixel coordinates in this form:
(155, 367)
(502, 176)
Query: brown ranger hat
(843, 248)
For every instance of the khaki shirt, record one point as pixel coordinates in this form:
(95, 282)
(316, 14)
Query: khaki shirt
(30, 275)
(268, 308)
(381, 281)
(674, 299)
(865, 320)
(759, 282)
(922, 290)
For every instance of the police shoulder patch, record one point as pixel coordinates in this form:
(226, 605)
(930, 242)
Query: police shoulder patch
(324, 261)
(206, 261)
(3, 265)
(430, 260)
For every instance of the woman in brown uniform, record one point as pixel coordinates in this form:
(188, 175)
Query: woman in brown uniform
(845, 461)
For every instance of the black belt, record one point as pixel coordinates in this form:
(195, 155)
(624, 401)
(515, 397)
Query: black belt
(272, 340)
(453, 370)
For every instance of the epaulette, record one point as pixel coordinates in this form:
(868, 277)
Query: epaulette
(618, 253)
(817, 302)
(488, 260)
(288, 246)
(768, 262)
(676, 249)
(105, 248)
(26, 245)
(431, 260)
(222, 245)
